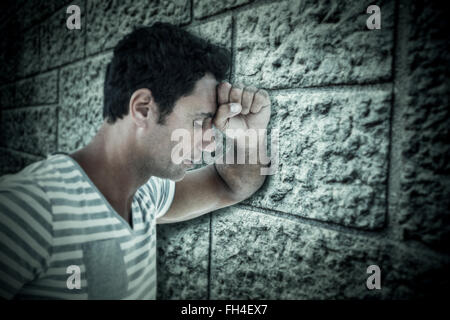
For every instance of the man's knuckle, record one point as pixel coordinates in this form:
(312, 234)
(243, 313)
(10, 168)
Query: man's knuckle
(223, 86)
(251, 89)
(247, 95)
(262, 96)
(263, 93)
(235, 93)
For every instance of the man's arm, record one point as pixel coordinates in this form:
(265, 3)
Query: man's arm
(220, 185)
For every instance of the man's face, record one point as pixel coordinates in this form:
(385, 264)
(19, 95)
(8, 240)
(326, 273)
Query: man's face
(190, 113)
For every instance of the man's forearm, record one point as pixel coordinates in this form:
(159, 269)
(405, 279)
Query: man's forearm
(244, 179)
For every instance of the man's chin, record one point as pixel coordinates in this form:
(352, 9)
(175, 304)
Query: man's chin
(179, 177)
(179, 173)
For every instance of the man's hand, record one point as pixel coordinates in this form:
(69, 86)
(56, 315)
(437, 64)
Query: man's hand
(241, 107)
(220, 185)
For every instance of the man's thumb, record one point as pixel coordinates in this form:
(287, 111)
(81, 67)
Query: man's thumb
(224, 112)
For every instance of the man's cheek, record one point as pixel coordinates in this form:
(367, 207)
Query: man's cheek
(180, 143)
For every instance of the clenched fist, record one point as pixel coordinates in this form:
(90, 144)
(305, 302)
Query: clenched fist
(241, 108)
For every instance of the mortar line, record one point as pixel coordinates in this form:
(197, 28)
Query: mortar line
(75, 61)
(196, 23)
(395, 137)
(233, 48)
(85, 28)
(376, 232)
(208, 293)
(238, 8)
(27, 77)
(331, 87)
(21, 152)
(24, 152)
(390, 161)
(31, 106)
(324, 87)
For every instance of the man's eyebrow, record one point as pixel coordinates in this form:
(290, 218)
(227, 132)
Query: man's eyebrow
(207, 114)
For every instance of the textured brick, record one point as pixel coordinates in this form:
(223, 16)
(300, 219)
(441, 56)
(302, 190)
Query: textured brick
(332, 156)
(7, 95)
(256, 256)
(31, 12)
(19, 48)
(31, 130)
(60, 45)
(109, 21)
(81, 102)
(183, 259)
(310, 43)
(204, 8)
(10, 46)
(12, 162)
(41, 89)
(217, 31)
(425, 179)
(7, 8)
(28, 52)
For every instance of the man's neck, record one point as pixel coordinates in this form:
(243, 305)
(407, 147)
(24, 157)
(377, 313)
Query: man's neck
(108, 163)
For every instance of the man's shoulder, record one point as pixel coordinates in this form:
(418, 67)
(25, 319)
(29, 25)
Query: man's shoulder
(159, 192)
(155, 185)
(32, 178)
(22, 197)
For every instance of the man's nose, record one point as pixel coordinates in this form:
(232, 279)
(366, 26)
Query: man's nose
(207, 142)
(209, 145)
(208, 139)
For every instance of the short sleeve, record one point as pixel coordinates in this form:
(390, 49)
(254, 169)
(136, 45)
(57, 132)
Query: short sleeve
(25, 235)
(161, 192)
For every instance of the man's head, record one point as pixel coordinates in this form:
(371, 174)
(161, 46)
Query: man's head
(161, 78)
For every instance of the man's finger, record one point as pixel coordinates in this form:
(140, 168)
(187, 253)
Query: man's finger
(223, 93)
(260, 100)
(247, 99)
(236, 93)
(224, 112)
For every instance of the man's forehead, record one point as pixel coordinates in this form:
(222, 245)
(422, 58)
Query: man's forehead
(205, 97)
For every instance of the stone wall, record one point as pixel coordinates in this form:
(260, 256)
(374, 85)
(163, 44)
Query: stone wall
(364, 175)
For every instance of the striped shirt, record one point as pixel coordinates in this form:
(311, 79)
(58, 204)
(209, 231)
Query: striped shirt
(61, 239)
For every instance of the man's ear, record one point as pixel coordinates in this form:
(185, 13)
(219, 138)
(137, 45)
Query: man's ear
(143, 107)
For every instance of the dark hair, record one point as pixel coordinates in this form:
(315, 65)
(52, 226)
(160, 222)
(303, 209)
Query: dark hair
(163, 58)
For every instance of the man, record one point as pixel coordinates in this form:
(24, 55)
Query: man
(82, 226)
